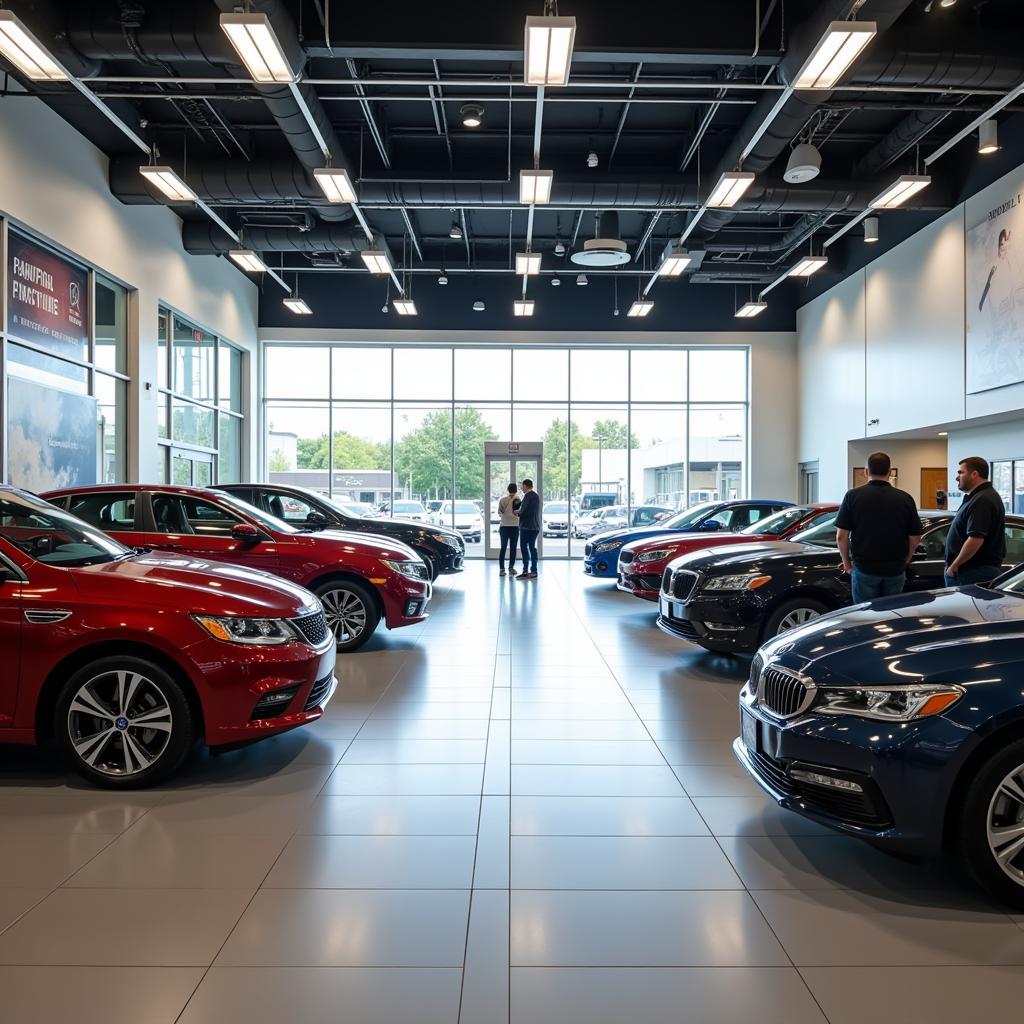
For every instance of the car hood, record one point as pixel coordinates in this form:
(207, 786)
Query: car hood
(627, 534)
(194, 584)
(407, 528)
(687, 542)
(897, 639)
(329, 544)
(756, 556)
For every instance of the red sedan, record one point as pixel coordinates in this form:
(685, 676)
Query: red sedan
(360, 579)
(642, 562)
(129, 658)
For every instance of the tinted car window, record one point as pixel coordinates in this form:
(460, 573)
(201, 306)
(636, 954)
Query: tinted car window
(107, 511)
(176, 513)
(51, 536)
(1014, 545)
(934, 543)
(779, 522)
(286, 506)
(823, 532)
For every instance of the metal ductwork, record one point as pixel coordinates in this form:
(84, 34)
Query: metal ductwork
(981, 62)
(202, 238)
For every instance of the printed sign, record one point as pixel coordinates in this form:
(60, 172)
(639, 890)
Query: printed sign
(47, 298)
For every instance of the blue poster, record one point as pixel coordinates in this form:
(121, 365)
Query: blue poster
(51, 436)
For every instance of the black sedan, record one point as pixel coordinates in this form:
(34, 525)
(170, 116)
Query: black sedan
(736, 598)
(443, 550)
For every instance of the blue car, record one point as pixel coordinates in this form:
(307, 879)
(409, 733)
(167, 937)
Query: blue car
(601, 555)
(901, 721)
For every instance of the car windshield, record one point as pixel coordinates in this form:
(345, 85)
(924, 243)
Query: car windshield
(690, 516)
(556, 506)
(822, 532)
(49, 535)
(357, 508)
(261, 517)
(408, 506)
(778, 522)
(344, 507)
(462, 508)
(1013, 584)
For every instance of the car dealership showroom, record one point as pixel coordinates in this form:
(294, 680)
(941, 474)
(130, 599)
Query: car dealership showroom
(511, 513)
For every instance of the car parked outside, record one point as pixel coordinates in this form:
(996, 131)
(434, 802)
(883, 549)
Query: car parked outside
(555, 518)
(601, 555)
(642, 563)
(413, 510)
(127, 658)
(738, 598)
(588, 523)
(901, 721)
(360, 579)
(597, 499)
(463, 517)
(442, 550)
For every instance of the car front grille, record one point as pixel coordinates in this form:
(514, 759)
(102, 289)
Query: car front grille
(666, 581)
(683, 583)
(317, 694)
(313, 628)
(682, 627)
(783, 694)
(626, 557)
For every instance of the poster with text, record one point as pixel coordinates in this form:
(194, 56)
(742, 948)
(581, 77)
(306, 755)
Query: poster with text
(995, 297)
(47, 298)
(51, 436)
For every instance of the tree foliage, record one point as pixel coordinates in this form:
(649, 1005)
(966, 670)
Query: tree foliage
(350, 452)
(423, 458)
(556, 486)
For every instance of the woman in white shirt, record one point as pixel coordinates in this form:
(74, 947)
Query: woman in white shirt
(508, 529)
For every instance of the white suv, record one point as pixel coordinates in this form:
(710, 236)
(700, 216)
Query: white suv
(464, 516)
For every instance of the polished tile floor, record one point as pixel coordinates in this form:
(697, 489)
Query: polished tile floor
(525, 810)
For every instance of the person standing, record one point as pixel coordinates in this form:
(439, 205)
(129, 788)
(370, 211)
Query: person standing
(976, 542)
(877, 530)
(529, 530)
(508, 529)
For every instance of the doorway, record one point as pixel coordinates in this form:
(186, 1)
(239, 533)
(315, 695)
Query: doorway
(505, 462)
(934, 481)
(191, 468)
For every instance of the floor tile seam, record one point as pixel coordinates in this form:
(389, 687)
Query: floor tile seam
(106, 846)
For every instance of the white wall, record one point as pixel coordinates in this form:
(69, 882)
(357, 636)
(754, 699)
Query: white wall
(909, 457)
(54, 183)
(999, 440)
(773, 379)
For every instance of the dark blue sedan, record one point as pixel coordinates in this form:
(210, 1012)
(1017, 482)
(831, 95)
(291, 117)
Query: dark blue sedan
(901, 721)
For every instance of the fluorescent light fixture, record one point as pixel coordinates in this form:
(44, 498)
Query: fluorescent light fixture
(523, 307)
(405, 307)
(297, 305)
(837, 49)
(248, 260)
(807, 266)
(548, 50)
(26, 53)
(905, 186)
(641, 307)
(257, 44)
(749, 309)
(168, 182)
(527, 264)
(988, 136)
(674, 263)
(535, 186)
(730, 189)
(870, 229)
(376, 261)
(336, 184)
(943, 433)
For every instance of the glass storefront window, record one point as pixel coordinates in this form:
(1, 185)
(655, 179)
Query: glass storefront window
(229, 459)
(193, 361)
(229, 377)
(162, 350)
(111, 344)
(191, 424)
(110, 411)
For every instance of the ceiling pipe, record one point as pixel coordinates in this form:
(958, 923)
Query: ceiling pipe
(204, 239)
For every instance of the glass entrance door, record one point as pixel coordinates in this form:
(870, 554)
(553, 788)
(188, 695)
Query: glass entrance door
(504, 464)
(191, 468)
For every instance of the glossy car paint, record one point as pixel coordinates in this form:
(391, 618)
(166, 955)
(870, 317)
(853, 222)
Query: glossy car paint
(604, 563)
(445, 548)
(148, 601)
(643, 579)
(797, 570)
(308, 559)
(971, 636)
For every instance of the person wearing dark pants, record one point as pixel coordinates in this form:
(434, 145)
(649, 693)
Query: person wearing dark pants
(976, 542)
(508, 530)
(529, 530)
(877, 531)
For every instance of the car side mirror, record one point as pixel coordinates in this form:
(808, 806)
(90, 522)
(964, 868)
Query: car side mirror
(315, 518)
(246, 533)
(711, 524)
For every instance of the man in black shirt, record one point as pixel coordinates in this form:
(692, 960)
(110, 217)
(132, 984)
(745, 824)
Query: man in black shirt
(976, 542)
(877, 530)
(529, 529)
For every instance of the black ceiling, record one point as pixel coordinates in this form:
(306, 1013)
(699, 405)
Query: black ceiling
(661, 126)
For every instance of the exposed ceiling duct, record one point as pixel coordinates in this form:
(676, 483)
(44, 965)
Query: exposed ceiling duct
(204, 238)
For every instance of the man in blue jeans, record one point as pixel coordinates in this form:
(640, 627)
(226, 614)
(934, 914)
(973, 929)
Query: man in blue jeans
(877, 530)
(976, 542)
(529, 530)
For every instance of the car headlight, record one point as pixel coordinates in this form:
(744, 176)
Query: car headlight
(744, 582)
(608, 545)
(261, 632)
(411, 570)
(889, 703)
(444, 538)
(654, 556)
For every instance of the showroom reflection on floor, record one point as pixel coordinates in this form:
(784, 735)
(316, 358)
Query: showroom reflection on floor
(525, 809)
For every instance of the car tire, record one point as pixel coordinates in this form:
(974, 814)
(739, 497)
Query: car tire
(791, 614)
(988, 804)
(351, 610)
(94, 715)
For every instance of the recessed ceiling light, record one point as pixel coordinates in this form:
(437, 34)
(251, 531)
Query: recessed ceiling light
(749, 309)
(808, 265)
(837, 49)
(640, 308)
(405, 307)
(548, 50)
(455, 231)
(336, 184)
(168, 182)
(730, 189)
(535, 187)
(592, 160)
(522, 307)
(377, 261)
(905, 186)
(988, 136)
(443, 278)
(248, 260)
(478, 306)
(527, 264)
(555, 281)
(255, 41)
(297, 305)
(472, 115)
(26, 53)
(581, 280)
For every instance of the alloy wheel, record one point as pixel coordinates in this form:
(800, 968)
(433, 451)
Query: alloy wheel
(797, 617)
(120, 723)
(1006, 825)
(346, 614)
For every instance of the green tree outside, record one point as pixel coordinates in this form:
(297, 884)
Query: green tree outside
(423, 458)
(350, 452)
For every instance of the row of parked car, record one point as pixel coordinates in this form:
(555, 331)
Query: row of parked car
(141, 618)
(899, 721)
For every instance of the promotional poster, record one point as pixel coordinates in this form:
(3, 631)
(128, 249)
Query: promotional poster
(995, 296)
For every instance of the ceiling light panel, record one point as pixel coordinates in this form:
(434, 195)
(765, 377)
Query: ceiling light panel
(405, 307)
(167, 181)
(248, 260)
(674, 264)
(837, 49)
(535, 187)
(377, 261)
(298, 306)
(640, 308)
(730, 189)
(336, 184)
(527, 264)
(548, 50)
(808, 265)
(257, 44)
(26, 53)
(523, 307)
(749, 309)
(900, 191)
